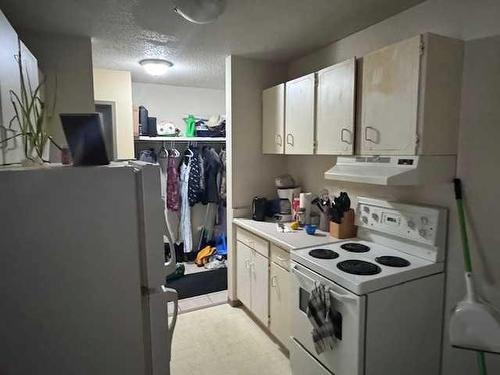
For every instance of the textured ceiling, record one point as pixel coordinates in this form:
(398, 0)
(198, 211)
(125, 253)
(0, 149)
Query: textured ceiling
(126, 31)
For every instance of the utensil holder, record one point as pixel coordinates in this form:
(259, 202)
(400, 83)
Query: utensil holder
(346, 228)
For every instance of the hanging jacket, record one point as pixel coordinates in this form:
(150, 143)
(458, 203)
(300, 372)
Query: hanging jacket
(194, 184)
(212, 166)
(172, 185)
(185, 234)
(222, 179)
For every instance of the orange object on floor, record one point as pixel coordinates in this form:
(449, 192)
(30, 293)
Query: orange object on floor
(203, 255)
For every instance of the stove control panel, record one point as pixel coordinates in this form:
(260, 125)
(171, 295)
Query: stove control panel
(412, 222)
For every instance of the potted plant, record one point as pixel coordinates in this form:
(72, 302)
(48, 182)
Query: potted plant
(31, 117)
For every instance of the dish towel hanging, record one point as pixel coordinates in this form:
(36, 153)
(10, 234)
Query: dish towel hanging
(185, 234)
(319, 313)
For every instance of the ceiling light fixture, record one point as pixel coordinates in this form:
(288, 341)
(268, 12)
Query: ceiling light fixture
(199, 11)
(156, 67)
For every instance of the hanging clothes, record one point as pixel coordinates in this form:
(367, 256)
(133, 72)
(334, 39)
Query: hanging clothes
(172, 185)
(185, 234)
(212, 166)
(163, 162)
(194, 185)
(171, 217)
(222, 173)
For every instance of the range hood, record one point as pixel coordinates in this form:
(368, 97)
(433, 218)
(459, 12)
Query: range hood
(393, 170)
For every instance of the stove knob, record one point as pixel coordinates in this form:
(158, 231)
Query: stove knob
(422, 232)
(411, 224)
(366, 209)
(424, 220)
(364, 219)
(375, 217)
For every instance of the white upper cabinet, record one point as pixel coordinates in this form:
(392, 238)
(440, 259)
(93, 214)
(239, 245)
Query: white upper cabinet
(273, 120)
(409, 102)
(30, 68)
(390, 99)
(335, 109)
(299, 117)
(10, 151)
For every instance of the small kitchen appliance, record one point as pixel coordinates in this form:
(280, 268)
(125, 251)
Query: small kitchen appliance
(259, 206)
(387, 288)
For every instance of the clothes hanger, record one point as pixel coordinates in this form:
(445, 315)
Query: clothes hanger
(163, 152)
(190, 154)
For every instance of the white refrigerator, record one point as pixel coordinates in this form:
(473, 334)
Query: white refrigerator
(82, 270)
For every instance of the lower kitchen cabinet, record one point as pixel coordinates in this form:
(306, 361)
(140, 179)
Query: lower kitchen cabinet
(263, 282)
(243, 259)
(252, 280)
(279, 303)
(259, 286)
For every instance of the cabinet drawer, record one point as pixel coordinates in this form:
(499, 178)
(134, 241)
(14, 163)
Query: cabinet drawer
(280, 257)
(253, 241)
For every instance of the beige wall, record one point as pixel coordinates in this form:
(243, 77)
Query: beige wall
(249, 172)
(173, 103)
(478, 157)
(116, 86)
(66, 62)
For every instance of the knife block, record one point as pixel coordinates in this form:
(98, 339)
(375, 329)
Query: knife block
(346, 229)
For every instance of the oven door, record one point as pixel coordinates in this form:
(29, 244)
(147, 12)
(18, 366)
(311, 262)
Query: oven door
(347, 356)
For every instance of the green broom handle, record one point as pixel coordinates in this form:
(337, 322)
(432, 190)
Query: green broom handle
(481, 361)
(463, 228)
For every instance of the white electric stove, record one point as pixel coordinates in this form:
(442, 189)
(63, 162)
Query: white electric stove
(387, 289)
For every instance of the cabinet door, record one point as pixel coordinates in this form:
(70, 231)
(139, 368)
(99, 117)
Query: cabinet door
(273, 120)
(243, 266)
(10, 151)
(279, 303)
(299, 118)
(260, 287)
(389, 101)
(335, 109)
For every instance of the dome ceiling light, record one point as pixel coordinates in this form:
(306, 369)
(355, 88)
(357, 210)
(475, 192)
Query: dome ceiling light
(199, 11)
(156, 67)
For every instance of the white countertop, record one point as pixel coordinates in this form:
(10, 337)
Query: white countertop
(287, 241)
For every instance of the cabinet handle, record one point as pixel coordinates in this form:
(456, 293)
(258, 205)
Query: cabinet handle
(281, 259)
(288, 138)
(368, 139)
(247, 264)
(345, 139)
(273, 282)
(279, 140)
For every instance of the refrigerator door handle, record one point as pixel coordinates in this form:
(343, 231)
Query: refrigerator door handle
(170, 266)
(171, 296)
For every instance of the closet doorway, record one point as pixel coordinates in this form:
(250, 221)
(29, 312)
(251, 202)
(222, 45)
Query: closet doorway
(193, 188)
(107, 111)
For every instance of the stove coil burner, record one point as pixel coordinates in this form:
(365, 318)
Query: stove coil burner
(392, 261)
(358, 267)
(323, 254)
(354, 247)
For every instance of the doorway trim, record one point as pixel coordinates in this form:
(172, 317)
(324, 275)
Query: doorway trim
(113, 111)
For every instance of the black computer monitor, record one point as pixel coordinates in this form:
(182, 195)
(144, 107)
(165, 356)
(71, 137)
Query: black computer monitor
(85, 139)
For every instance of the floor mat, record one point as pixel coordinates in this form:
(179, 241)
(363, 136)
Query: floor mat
(197, 284)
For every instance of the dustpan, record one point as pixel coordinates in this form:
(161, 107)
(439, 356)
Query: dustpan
(473, 325)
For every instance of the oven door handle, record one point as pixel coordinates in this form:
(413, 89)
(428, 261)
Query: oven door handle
(339, 296)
